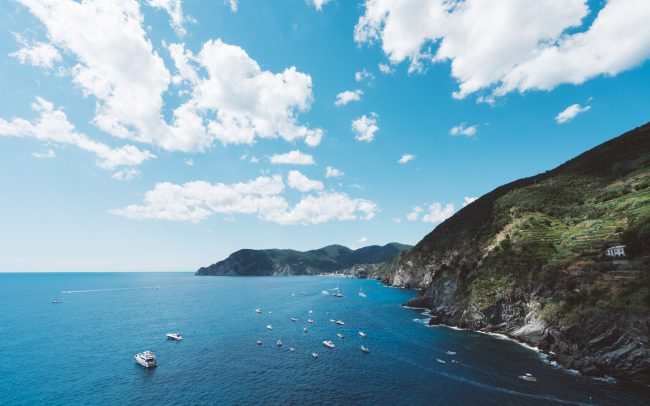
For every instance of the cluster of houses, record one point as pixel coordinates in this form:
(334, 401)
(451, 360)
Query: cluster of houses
(615, 252)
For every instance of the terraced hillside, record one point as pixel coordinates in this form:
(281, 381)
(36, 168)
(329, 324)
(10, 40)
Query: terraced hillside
(527, 260)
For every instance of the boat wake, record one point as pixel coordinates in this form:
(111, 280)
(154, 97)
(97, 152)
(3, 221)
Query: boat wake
(72, 292)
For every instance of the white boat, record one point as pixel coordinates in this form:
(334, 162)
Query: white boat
(310, 312)
(362, 334)
(174, 336)
(305, 329)
(528, 377)
(270, 312)
(294, 319)
(451, 352)
(453, 361)
(147, 359)
(324, 292)
(314, 355)
(259, 342)
(278, 343)
(332, 321)
(338, 292)
(365, 349)
(361, 293)
(339, 335)
(310, 320)
(56, 301)
(328, 344)
(340, 322)
(291, 349)
(270, 327)
(258, 310)
(440, 361)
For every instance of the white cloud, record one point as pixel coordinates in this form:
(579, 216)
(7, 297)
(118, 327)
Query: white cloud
(462, 129)
(254, 160)
(232, 99)
(468, 200)
(198, 200)
(294, 157)
(406, 158)
(365, 127)
(127, 174)
(175, 10)
(319, 3)
(52, 125)
(364, 76)
(437, 213)
(386, 69)
(44, 155)
(348, 96)
(362, 240)
(414, 213)
(233, 5)
(511, 45)
(570, 113)
(298, 181)
(331, 172)
(39, 54)
(189, 162)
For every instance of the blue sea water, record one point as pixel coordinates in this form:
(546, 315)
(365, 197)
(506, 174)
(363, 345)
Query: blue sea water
(81, 350)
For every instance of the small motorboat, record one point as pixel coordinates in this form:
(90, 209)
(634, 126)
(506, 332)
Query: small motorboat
(451, 352)
(291, 349)
(258, 310)
(270, 327)
(314, 355)
(270, 312)
(440, 361)
(310, 321)
(338, 294)
(339, 335)
(362, 334)
(305, 329)
(528, 378)
(310, 312)
(147, 359)
(365, 349)
(174, 336)
(328, 344)
(294, 319)
(324, 292)
(453, 361)
(278, 343)
(361, 294)
(56, 301)
(340, 322)
(259, 342)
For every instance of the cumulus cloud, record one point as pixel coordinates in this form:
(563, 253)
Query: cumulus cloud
(406, 158)
(362, 240)
(39, 54)
(414, 214)
(437, 213)
(52, 125)
(44, 155)
(536, 44)
(365, 127)
(294, 157)
(319, 3)
(386, 69)
(298, 181)
(463, 130)
(348, 96)
(198, 200)
(233, 5)
(231, 98)
(467, 200)
(364, 75)
(175, 10)
(570, 113)
(126, 174)
(331, 172)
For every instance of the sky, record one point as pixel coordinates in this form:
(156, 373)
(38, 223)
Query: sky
(162, 135)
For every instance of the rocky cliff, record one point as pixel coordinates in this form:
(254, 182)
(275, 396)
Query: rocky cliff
(528, 260)
(276, 262)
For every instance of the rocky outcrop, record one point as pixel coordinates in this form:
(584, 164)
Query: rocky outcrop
(526, 260)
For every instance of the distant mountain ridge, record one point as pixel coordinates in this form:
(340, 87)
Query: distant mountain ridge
(277, 262)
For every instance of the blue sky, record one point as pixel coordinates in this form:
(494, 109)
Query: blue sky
(155, 135)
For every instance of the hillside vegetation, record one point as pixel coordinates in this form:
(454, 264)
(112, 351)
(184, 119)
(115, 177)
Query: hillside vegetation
(527, 259)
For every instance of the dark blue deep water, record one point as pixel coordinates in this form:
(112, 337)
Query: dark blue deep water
(81, 350)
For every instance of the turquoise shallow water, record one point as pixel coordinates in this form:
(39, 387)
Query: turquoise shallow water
(81, 350)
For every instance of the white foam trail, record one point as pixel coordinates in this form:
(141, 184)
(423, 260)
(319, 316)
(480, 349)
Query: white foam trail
(69, 292)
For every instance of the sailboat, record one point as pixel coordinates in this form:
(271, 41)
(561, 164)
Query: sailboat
(338, 292)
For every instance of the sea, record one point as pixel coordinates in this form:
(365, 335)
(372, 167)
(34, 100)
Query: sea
(81, 351)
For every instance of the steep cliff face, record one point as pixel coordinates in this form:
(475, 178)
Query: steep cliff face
(527, 260)
(275, 262)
